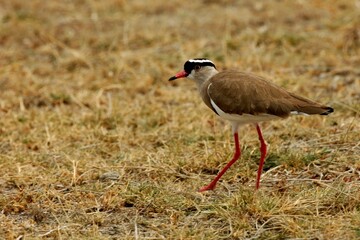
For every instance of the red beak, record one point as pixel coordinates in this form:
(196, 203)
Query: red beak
(181, 74)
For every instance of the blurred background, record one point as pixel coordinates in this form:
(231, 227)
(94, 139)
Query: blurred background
(95, 142)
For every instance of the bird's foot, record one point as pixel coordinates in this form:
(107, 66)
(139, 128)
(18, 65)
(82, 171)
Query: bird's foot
(207, 188)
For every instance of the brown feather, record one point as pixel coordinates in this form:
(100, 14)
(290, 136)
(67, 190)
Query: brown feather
(245, 93)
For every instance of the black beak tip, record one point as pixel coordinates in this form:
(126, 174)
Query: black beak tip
(172, 78)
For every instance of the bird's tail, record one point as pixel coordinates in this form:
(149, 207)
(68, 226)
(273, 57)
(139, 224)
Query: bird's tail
(307, 106)
(327, 111)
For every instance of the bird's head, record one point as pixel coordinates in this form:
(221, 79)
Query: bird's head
(198, 69)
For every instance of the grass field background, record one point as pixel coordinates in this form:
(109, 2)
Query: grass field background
(96, 143)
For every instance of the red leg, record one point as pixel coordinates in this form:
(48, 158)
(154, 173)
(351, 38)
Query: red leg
(262, 158)
(212, 185)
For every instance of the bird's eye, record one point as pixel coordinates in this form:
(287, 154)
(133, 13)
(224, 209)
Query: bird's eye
(197, 67)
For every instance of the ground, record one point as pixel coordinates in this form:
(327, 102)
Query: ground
(96, 143)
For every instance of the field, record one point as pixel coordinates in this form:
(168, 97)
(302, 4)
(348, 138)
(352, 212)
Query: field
(96, 143)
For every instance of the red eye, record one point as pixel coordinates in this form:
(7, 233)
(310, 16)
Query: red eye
(197, 67)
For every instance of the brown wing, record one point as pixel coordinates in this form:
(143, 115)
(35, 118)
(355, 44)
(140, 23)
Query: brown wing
(239, 93)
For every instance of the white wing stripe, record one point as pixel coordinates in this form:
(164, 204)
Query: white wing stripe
(243, 118)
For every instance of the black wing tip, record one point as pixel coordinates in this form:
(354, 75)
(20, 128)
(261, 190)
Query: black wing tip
(328, 111)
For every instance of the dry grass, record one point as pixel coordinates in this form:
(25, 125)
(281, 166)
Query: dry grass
(96, 143)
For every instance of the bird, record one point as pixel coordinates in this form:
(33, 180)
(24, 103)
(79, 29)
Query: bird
(244, 98)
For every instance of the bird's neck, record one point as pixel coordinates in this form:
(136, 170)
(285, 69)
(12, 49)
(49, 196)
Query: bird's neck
(200, 80)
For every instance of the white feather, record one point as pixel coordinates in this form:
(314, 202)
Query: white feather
(243, 118)
(200, 61)
(298, 113)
